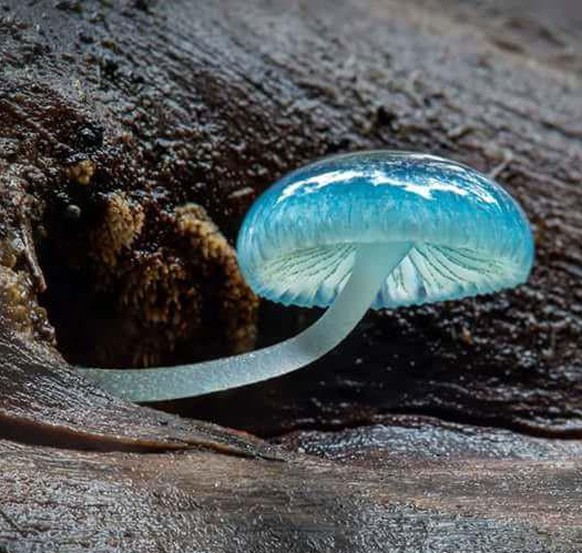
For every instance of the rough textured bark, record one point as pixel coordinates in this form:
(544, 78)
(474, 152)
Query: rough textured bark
(130, 132)
(501, 493)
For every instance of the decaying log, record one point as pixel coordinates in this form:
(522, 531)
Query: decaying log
(133, 137)
(464, 490)
(42, 404)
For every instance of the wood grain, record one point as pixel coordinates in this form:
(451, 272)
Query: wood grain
(163, 104)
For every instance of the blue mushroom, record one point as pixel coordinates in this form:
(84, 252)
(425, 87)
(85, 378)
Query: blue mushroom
(376, 229)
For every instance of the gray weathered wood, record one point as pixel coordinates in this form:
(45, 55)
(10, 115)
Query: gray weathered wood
(467, 490)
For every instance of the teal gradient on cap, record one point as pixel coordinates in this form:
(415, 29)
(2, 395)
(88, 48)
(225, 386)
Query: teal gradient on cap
(469, 236)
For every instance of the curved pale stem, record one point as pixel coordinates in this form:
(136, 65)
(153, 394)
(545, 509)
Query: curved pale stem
(373, 263)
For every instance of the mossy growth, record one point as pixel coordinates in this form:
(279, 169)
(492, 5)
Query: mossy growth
(167, 285)
(18, 301)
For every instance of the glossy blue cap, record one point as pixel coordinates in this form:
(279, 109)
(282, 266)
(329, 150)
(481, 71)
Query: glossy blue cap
(469, 236)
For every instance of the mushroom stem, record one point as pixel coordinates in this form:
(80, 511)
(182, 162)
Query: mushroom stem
(373, 263)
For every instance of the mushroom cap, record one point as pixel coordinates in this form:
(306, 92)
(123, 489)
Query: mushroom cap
(468, 236)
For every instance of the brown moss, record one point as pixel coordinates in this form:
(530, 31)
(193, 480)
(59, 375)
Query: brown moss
(175, 283)
(121, 224)
(161, 298)
(238, 305)
(8, 254)
(18, 297)
(81, 172)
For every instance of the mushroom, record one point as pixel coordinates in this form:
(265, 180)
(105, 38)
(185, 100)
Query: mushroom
(382, 229)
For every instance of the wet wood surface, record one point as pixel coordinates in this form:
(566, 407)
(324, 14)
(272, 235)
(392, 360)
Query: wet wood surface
(443, 428)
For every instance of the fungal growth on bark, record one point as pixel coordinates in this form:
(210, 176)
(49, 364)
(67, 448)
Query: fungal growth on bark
(382, 229)
(160, 282)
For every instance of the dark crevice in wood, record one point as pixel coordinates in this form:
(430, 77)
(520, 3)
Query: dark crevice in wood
(29, 433)
(524, 427)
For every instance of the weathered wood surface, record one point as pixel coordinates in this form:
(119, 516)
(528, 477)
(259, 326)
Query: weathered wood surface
(43, 404)
(113, 115)
(464, 490)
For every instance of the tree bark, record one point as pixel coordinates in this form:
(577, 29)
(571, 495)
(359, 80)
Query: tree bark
(134, 136)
